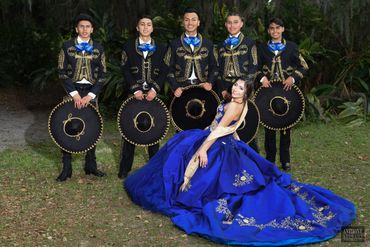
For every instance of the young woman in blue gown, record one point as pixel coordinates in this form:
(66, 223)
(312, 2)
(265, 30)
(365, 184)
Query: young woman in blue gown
(214, 185)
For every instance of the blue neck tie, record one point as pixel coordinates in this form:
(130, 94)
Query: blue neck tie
(195, 41)
(232, 41)
(276, 46)
(146, 47)
(84, 46)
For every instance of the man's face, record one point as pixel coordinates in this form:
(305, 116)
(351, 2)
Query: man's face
(191, 22)
(145, 27)
(84, 29)
(233, 25)
(275, 31)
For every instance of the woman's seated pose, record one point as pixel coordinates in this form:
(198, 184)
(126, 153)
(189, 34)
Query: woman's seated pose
(213, 185)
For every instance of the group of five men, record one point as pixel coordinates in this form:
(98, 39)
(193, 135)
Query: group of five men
(188, 60)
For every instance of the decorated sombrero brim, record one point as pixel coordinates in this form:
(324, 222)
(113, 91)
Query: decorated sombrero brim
(247, 131)
(75, 130)
(194, 109)
(279, 109)
(142, 122)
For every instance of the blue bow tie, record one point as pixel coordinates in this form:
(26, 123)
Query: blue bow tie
(276, 46)
(195, 41)
(84, 46)
(232, 41)
(146, 47)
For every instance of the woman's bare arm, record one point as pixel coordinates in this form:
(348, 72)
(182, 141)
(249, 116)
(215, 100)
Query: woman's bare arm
(232, 112)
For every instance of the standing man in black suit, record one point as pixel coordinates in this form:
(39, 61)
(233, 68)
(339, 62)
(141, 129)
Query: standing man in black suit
(191, 58)
(144, 72)
(237, 59)
(81, 66)
(279, 60)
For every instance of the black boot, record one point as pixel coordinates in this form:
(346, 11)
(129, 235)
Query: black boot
(67, 168)
(253, 144)
(122, 173)
(91, 166)
(127, 158)
(286, 166)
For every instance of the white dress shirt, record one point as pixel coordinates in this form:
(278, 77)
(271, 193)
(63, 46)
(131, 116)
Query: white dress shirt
(231, 46)
(83, 81)
(192, 76)
(145, 54)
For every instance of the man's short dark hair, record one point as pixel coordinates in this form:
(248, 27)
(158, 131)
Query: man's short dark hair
(83, 17)
(277, 21)
(146, 16)
(235, 13)
(191, 10)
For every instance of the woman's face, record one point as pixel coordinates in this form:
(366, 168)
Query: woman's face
(238, 90)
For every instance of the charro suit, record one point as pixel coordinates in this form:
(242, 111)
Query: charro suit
(142, 73)
(138, 70)
(237, 62)
(181, 60)
(74, 66)
(277, 67)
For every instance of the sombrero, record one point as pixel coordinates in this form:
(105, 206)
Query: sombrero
(279, 109)
(247, 131)
(142, 122)
(75, 130)
(194, 109)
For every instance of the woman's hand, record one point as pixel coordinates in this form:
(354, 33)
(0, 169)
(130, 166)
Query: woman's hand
(203, 158)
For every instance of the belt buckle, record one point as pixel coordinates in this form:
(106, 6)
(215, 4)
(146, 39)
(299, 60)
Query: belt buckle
(193, 81)
(145, 86)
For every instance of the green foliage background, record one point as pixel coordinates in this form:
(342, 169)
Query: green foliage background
(333, 37)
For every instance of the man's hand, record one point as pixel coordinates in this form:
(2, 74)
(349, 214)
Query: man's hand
(265, 82)
(77, 100)
(178, 92)
(151, 95)
(206, 85)
(288, 83)
(226, 95)
(85, 100)
(139, 95)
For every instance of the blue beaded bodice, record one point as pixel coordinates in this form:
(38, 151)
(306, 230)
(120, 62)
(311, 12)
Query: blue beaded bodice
(220, 113)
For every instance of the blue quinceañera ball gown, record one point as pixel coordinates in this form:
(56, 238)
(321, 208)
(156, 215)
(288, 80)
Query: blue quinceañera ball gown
(240, 198)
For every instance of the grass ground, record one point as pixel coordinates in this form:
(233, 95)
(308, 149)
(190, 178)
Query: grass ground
(89, 211)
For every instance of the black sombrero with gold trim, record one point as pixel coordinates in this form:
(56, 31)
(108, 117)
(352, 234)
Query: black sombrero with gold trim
(247, 131)
(194, 109)
(279, 109)
(143, 123)
(75, 130)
